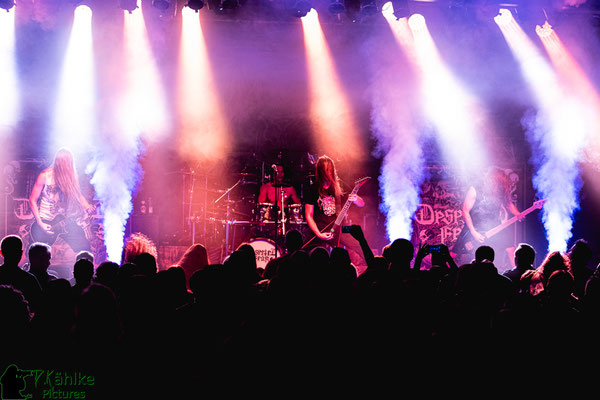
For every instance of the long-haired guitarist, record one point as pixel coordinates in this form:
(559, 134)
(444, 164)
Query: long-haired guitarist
(486, 206)
(56, 202)
(323, 203)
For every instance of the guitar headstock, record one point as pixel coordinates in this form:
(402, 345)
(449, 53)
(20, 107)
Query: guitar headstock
(539, 204)
(361, 181)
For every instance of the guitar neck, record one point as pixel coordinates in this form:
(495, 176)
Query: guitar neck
(342, 215)
(509, 222)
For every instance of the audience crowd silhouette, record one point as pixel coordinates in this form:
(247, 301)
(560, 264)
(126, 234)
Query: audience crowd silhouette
(307, 312)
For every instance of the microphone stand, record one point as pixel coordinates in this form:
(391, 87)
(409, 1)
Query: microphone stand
(275, 206)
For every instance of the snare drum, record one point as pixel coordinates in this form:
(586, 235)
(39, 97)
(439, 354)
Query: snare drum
(294, 214)
(265, 213)
(264, 250)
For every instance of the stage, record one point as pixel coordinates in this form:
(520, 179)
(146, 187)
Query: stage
(176, 117)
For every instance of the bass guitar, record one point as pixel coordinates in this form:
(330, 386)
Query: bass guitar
(60, 225)
(466, 243)
(335, 226)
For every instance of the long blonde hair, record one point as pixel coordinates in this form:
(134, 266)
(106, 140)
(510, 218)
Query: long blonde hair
(65, 176)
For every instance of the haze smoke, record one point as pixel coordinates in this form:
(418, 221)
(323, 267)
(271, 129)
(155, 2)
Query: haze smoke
(394, 128)
(116, 172)
(557, 144)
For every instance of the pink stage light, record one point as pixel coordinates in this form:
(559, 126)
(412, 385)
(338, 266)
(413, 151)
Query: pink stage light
(203, 131)
(143, 108)
(9, 99)
(397, 133)
(458, 118)
(137, 115)
(334, 128)
(585, 121)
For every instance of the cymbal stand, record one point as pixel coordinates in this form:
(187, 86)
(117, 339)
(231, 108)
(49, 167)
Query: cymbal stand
(192, 223)
(227, 221)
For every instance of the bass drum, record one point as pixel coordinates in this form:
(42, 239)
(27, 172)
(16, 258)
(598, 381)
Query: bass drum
(264, 250)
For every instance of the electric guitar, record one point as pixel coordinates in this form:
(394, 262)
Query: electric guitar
(335, 226)
(467, 243)
(60, 224)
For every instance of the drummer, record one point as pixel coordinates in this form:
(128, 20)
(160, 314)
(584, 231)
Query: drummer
(271, 192)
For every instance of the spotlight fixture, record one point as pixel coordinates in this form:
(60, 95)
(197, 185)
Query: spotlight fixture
(161, 4)
(544, 31)
(416, 22)
(368, 7)
(401, 9)
(128, 5)
(195, 5)
(301, 8)
(7, 4)
(504, 17)
(337, 6)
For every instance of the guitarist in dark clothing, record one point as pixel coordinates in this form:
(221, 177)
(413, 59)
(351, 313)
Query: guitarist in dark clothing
(56, 202)
(323, 203)
(486, 206)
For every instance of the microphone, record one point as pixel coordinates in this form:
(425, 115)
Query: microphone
(274, 166)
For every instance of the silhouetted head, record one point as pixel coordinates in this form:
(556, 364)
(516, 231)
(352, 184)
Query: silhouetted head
(560, 285)
(319, 257)
(12, 249)
(554, 261)
(83, 271)
(580, 254)
(84, 254)
(208, 283)
(136, 244)
(106, 273)
(339, 256)
(194, 257)
(293, 240)
(39, 256)
(146, 263)
(524, 256)
(401, 251)
(484, 253)
(241, 265)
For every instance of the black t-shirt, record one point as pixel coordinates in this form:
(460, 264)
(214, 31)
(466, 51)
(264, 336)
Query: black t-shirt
(325, 207)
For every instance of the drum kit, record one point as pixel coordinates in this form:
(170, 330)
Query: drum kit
(231, 216)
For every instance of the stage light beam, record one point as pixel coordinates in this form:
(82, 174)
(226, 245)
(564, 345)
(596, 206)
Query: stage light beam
(9, 99)
(397, 134)
(138, 116)
(334, 129)
(556, 132)
(204, 131)
(457, 117)
(74, 116)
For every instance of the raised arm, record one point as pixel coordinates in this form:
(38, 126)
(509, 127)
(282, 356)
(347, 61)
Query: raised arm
(468, 204)
(33, 200)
